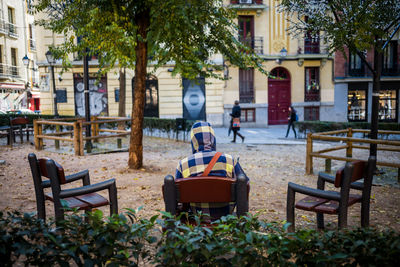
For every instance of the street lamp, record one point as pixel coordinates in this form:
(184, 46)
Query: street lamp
(283, 55)
(52, 61)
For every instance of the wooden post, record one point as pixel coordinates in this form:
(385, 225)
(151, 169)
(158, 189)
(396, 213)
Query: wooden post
(328, 165)
(81, 143)
(40, 132)
(309, 150)
(77, 145)
(349, 149)
(57, 142)
(95, 129)
(35, 134)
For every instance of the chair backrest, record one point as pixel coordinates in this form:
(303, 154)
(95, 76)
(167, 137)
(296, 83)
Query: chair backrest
(18, 121)
(359, 172)
(43, 170)
(205, 189)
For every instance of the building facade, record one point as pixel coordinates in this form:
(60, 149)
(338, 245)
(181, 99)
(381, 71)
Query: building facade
(18, 70)
(353, 86)
(300, 75)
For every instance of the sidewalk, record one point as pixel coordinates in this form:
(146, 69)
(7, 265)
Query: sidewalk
(273, 135)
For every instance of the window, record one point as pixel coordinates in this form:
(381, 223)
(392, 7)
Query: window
(61, 96)
(116, 94)
(356, 66)
(11, 21)
(1, 60)
(357, 103)
(387, 105)
(246, 85)
(248, 115)
(311, 41)
(312, 84)
(14, 70)
(390, 58)
(311, 113)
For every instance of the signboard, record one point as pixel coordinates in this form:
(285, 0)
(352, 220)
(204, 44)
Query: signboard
(194, 99)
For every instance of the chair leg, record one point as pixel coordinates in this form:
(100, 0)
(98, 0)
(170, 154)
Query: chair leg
(365, 214)
(112, 191)
(290, 209)
(320, 220)
(342, 220)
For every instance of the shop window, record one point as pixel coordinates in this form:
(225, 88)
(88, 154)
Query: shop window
(248, 115)
(311, 113)
(312, 86)
(357, 105)
(387, 105)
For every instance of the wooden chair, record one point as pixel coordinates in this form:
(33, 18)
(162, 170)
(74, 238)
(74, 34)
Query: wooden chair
(19, 125)
(83, 198)
(332, 202)
(206, 190)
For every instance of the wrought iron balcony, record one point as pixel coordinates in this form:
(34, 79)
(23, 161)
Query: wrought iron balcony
(9, 71)
(257, 5)
(363, 71)
(255, 43)
(12, 30)
(32, 44)
(3, 27)
(246, 2)
(312, 46)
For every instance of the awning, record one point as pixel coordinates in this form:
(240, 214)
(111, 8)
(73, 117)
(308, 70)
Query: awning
(12, 86)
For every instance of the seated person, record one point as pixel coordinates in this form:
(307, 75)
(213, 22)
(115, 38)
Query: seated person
(204, 148)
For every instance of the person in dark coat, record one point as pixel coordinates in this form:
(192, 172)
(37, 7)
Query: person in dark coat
(291, 120)
(236, 112)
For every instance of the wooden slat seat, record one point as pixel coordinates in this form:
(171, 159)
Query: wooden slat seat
(332, 207)
(309, 203)
(94, 200)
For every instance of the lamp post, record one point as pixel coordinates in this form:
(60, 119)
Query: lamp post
(26, 61)
(51, 60)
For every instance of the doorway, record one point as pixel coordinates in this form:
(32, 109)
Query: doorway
(278, 96)
(151, 96)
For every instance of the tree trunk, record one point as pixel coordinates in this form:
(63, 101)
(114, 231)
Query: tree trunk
(376, 87)
(135, 160)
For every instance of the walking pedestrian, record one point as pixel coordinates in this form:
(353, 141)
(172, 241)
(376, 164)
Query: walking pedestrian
(291, 119)
(236, 112)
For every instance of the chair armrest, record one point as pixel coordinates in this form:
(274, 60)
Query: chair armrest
(84, 175)
(323, 176)
(87, 189)
(46, 183)
(326, 177)
(314, 192)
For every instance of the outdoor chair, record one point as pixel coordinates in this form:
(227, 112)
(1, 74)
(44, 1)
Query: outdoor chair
(19, 125)
(205, 190)
(82, 198)
(333, 202)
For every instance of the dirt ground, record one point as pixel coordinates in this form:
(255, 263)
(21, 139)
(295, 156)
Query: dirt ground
(270, 168)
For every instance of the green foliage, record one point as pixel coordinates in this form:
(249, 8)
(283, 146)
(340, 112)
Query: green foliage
(126, 239)
(324, 126)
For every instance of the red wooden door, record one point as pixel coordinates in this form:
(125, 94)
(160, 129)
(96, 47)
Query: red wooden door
(278, 97)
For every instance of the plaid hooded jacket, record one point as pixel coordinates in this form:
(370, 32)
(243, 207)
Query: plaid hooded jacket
(204, 148)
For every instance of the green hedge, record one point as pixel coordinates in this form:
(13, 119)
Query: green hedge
(324, 126)
(126, 239)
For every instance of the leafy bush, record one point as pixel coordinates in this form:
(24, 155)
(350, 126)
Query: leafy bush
(126, 239)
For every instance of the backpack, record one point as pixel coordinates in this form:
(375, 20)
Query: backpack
(297, 117)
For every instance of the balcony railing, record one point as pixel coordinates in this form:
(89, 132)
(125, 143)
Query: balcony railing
(12, 30)
(32, 44)
(365, 72)
(3, 26)
(255, 43)
(246, 2)
(9, 71)
(312, 47)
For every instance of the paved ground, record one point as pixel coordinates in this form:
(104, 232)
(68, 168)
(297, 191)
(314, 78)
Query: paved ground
(273, 135)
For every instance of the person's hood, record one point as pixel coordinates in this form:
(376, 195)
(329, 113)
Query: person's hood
(203, 137)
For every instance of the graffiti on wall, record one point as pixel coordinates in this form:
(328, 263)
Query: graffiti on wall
(97, 95)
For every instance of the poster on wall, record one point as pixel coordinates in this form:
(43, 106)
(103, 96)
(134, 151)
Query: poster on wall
(44, 84)
(194, 99)
(97, 95)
